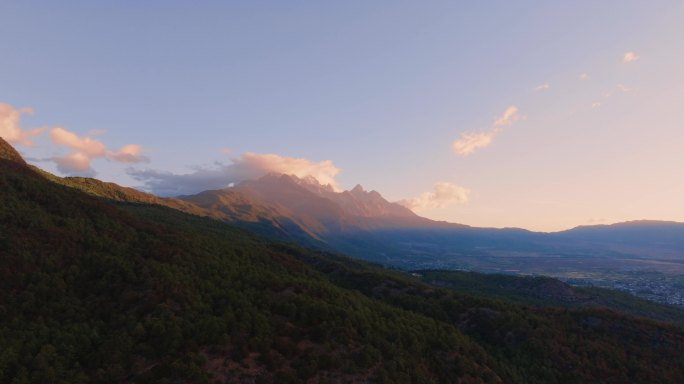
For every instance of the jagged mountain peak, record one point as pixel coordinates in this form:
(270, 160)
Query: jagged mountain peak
(357, 201)
(309, 182)
(7, 152)
(312, 184)
(275, 176)
(319, 208)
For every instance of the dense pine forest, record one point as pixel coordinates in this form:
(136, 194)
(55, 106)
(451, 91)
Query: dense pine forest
(96, 290)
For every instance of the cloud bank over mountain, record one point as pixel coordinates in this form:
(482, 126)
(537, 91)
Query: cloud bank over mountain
(248, 166)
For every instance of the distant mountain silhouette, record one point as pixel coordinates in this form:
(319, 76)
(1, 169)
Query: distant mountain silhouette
(627, 226)
(649, 237)
(315, 209)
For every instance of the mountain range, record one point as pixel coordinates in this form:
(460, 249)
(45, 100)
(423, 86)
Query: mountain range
(364, 224)
(303, 206)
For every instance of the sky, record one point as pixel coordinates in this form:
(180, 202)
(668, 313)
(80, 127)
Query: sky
(543, 115)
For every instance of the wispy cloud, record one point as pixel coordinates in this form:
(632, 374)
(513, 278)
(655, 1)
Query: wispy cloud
(509, 116)
(130, 153)
(583, 76)
(10, 128)
(442, 195)
(84, 149)
(629, 57)
(248, 166)
(469, 142)
(615, 92)
(542, 87)
(624, 89)
(84, 145)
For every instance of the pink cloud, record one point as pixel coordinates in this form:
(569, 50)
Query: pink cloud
(442, 195)
(76, 162)
(10, 129)
(85, 145)
(509, 117)
(84, 149)
(254, 165)
(542, 87)
(629, 57)
(127, 154)
(469, 142)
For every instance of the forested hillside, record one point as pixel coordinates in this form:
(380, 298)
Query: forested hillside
(544, 291)
(93, 290)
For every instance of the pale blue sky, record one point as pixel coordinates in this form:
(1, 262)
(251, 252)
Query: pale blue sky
(380, 88)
